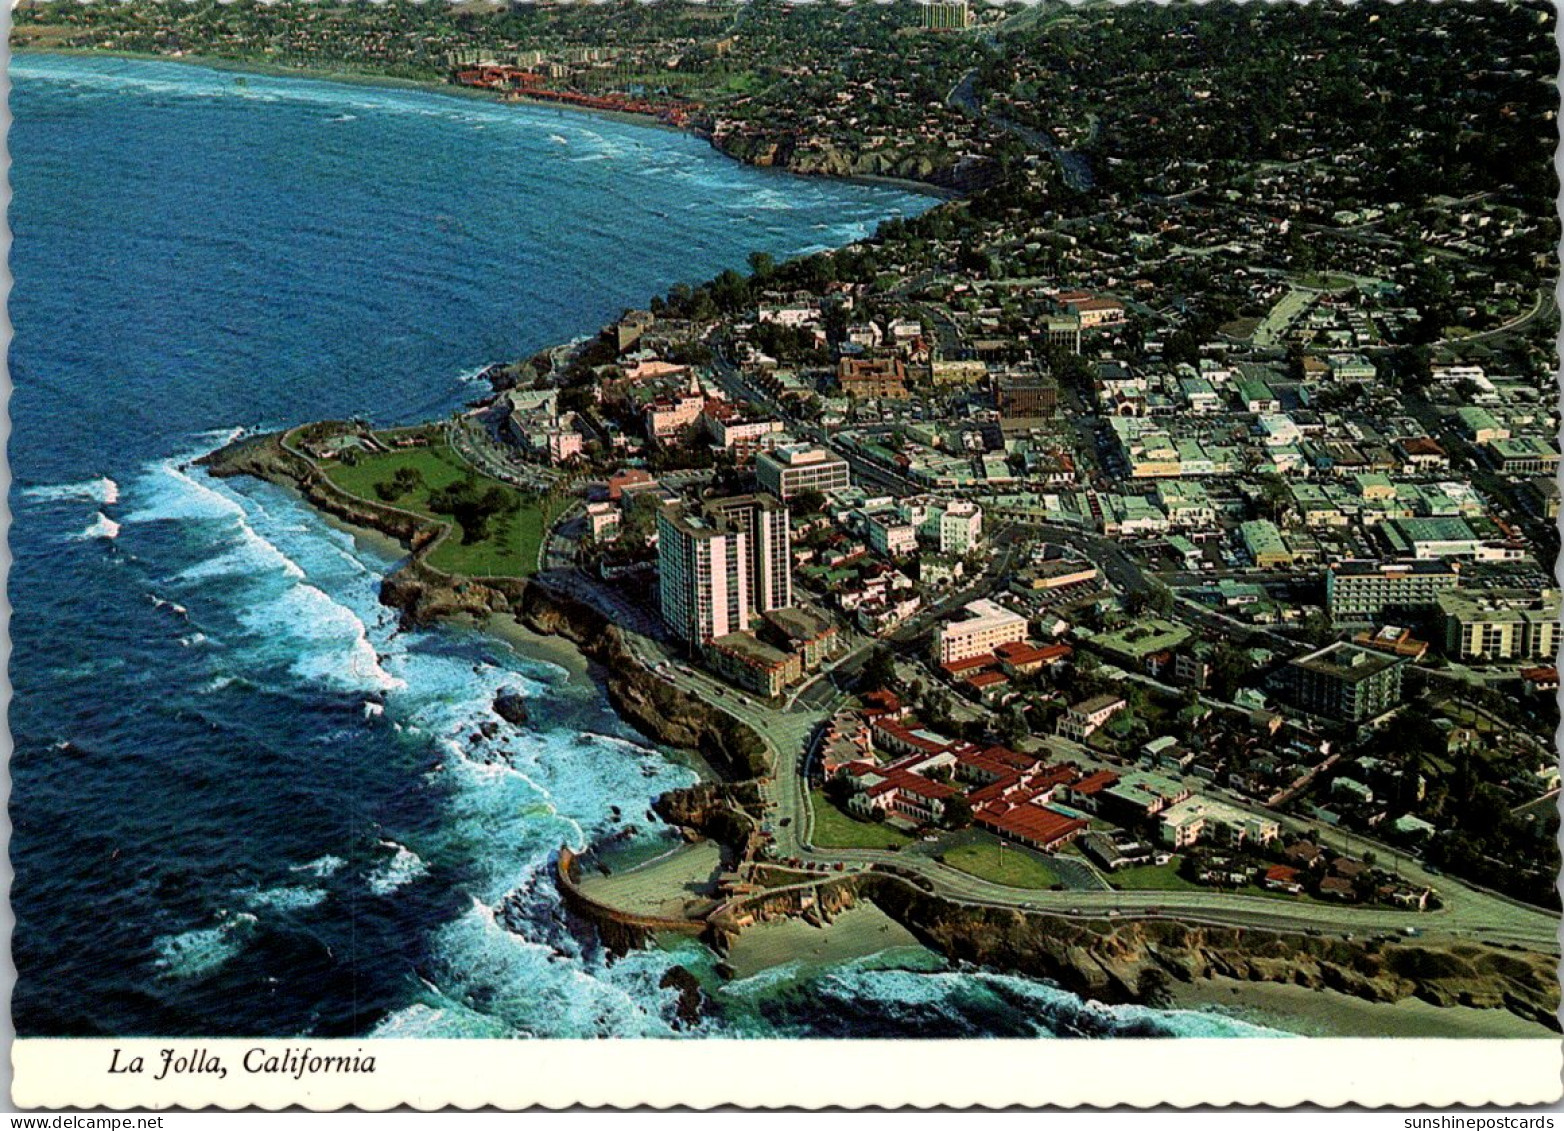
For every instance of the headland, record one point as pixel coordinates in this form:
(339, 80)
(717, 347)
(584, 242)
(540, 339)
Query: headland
(1140, 530)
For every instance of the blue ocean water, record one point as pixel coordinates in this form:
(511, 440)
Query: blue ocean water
(243, 802)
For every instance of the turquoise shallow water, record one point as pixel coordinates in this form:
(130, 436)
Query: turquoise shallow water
(244, 803)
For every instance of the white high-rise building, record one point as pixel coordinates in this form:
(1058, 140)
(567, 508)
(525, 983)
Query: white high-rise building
(720, 569)
(769, 552)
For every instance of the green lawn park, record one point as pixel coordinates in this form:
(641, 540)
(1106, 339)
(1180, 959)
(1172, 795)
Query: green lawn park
(835, 829)
(510, 547)
(1005, 864)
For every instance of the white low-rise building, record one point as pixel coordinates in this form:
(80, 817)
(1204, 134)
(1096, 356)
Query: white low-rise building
(1199, 818)
(986, 626)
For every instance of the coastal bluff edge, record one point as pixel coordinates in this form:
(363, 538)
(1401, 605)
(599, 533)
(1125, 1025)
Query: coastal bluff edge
(1112, 961)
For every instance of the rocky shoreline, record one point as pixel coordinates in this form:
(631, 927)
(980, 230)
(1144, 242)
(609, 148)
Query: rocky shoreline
(1111, 961)
(423, 596)
(1138, 960)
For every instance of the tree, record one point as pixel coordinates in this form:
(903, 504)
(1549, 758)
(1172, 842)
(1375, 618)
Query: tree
(1275, 501)
(1229, 666)
(879, 673)
(958, 813)
(808, 502)
(1012, 726)
(762, 265)
(473, 507)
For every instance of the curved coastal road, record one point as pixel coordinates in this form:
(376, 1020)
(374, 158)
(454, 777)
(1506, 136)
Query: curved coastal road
(1467, 912)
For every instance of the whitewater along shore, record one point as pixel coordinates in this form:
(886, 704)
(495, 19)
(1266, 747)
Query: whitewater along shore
(1159, 962)
(917, 176)
(424, 595)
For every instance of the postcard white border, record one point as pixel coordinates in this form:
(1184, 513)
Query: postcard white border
(432, 1074)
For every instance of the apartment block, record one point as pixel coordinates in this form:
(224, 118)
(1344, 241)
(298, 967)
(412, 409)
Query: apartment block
(1507, 624)
(1363, 592)
(795, 468)
(986, 626)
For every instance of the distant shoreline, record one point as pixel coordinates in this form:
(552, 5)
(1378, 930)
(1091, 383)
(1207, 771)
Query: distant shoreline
(437, 86)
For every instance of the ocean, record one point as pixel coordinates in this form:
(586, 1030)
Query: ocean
(244, 803)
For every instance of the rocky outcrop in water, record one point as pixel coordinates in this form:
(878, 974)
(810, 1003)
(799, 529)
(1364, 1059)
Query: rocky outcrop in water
(691, 1006)
(511, 705)
(424, 595)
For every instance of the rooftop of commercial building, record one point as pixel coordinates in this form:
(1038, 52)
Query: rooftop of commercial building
(799, 455)
(751, 650)
(1360, 568)
(984, 612)
(1346, 662)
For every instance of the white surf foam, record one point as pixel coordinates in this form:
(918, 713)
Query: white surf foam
(286, 898)
(197, 953)
(102, 527)
(103, 491)
(401, 869)
(173, 494)
(530, 987)
(321, 867)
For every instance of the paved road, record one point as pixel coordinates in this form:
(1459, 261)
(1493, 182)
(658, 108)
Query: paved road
(1468, 912)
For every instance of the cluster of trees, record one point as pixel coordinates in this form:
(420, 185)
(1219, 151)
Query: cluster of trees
(1480, 837)
(402, 483)
(1446, 99)
(474, 507)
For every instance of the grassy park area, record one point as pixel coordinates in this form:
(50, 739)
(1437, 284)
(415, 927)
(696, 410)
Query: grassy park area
(835, 829)
(509, 543)
(1002, 864)
(1159, 877)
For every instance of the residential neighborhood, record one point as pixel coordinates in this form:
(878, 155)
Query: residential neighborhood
(1172, 505)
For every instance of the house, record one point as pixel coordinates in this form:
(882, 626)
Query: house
(1304, 854)
(1279, 877)
(1334, 887)
(1083, 719)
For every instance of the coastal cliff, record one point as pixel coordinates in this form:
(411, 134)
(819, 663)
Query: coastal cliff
(424, 595)
(1134, 960)
(824, 159)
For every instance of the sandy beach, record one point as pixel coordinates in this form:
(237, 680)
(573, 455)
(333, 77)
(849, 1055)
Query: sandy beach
(1327, 1013)
(859, 931)
(554, 650)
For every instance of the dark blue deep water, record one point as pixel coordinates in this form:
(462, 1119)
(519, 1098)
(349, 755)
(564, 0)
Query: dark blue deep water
(218, 828)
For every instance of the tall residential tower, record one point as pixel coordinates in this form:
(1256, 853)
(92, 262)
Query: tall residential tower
(721, 567)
